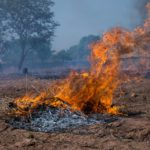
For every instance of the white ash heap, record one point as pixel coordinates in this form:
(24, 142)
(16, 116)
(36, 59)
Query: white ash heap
(56, 119)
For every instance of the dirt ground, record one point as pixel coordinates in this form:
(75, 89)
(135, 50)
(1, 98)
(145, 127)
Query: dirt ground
(130, 132)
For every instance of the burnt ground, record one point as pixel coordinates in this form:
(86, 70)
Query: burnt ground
(131, 132)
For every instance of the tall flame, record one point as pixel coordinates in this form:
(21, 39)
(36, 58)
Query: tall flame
(93, 91)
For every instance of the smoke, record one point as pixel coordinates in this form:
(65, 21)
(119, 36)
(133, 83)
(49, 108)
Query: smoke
(140, 6)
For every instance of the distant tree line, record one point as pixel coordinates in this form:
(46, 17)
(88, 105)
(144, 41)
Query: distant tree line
(45, 54)
(77, 52)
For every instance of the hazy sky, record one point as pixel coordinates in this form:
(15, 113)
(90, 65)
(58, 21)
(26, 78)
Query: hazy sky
(79, 18)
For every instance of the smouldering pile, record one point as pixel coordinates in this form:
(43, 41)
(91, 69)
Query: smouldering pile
(56, 119)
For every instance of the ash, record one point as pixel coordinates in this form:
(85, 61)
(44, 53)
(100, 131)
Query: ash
(56, 119)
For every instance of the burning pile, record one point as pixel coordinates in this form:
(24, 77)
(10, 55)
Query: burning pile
(92, 92)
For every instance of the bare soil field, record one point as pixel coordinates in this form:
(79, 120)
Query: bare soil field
(130, 132)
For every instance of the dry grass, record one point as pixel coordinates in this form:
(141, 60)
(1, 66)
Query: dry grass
(130, 132)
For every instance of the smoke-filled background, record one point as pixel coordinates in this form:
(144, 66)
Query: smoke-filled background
(83, 17)
(81, 22)
(141, 9)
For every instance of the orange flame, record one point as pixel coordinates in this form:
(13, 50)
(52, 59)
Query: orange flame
(93, 91)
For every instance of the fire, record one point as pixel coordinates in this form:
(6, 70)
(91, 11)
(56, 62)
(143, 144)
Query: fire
(93, 91)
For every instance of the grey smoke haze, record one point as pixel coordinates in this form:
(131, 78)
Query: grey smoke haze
(141, 9)
(79, 18)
